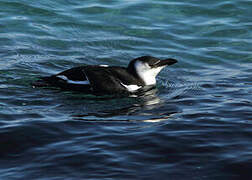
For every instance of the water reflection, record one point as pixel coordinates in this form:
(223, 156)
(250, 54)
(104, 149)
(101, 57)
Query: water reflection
(146, 106)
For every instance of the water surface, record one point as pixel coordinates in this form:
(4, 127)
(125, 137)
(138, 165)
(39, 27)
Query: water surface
(195, 125)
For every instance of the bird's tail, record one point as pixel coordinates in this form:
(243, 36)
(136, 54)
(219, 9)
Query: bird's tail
(41, 82)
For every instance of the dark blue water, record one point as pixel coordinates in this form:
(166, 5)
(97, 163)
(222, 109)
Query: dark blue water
(196, 125)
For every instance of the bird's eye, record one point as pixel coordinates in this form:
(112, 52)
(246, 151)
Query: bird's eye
(153, 65)
(147, 65)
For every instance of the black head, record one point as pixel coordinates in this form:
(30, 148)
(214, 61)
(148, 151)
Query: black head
(154, 62)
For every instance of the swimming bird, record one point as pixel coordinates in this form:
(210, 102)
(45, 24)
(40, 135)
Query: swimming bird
(104, 79)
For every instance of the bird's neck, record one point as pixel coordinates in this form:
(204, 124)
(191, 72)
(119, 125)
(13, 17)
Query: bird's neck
(147, 78)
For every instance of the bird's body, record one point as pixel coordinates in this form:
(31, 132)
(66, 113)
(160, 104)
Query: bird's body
(103, 79)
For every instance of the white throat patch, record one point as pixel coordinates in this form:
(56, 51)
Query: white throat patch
(146, 73)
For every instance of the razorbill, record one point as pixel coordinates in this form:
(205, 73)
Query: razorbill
(104, 79)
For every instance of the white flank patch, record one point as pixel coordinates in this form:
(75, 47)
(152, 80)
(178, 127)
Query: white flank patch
(131, 88)
(104, 65)
(73, 82)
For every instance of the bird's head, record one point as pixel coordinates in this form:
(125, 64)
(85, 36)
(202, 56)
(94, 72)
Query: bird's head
(148, 67)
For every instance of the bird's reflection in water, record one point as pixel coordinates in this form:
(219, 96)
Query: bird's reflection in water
(146, 106)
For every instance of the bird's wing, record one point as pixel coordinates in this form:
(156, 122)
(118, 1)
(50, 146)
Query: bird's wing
(102, 80)
(74, 74)
(71, 79)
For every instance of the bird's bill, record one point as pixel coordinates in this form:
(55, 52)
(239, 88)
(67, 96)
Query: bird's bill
(166, 62)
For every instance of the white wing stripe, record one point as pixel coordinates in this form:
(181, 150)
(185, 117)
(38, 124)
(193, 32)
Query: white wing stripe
(73, 82)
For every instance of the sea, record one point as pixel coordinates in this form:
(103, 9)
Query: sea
(195, 125)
